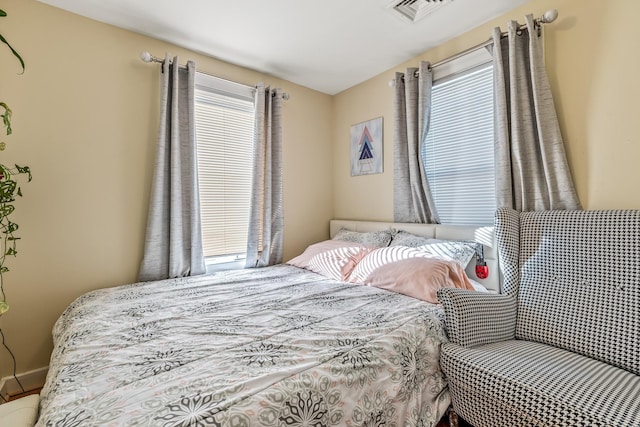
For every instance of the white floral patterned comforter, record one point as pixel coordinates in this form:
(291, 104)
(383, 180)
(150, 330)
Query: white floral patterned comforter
(277, 346)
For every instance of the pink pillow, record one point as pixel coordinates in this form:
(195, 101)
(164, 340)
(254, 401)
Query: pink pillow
(335, 259)
(409, 272)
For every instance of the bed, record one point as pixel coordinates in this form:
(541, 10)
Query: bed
(275, 346)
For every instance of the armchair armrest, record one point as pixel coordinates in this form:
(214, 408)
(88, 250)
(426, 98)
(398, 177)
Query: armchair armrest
(478, 318)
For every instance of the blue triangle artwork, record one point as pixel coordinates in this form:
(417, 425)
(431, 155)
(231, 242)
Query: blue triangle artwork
(366, 147)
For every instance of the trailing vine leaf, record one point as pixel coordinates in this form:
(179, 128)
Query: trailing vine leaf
(24, 169)
(7, 189)
(6, 117)
(6, 210)
(10, 228)
(3, 40)
(6, 121)
(5, 172)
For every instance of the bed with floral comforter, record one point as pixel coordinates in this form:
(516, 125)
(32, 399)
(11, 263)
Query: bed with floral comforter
(277, 346)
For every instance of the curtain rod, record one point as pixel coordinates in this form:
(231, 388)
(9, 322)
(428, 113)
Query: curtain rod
(548, 17)
(147, 57)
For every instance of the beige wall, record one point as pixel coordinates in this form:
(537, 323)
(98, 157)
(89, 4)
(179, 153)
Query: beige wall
(85, 121)
(592, 61)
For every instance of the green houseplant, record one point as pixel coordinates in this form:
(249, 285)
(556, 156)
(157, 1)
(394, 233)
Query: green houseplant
(9, 190)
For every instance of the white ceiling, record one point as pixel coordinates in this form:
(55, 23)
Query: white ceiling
(327, 45)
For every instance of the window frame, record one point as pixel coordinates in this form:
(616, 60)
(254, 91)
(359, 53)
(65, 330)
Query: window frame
(208, 83)
(464, 65)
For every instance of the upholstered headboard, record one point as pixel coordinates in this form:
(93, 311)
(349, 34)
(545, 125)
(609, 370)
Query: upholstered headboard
(483, 235)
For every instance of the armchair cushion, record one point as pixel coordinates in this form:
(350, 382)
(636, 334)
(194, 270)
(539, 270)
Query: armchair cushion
(523, 383)
(477, 318)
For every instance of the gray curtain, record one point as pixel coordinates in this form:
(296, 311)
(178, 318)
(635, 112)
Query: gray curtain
(531, 165)
(266, 221)
(173, 244)
(412, 200)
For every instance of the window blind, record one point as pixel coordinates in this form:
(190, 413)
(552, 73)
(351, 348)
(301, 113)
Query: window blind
(458, 153)
(224, 135)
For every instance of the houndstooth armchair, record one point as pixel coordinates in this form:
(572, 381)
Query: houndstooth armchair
(561, 345)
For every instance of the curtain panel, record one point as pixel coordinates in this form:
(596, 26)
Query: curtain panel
(412, 201)
(173, 243)
(266, 221)
(532, 172)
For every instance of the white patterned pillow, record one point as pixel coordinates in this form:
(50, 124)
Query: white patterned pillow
(380, 239)
(404, 238)
(332, 258)
(460, 251)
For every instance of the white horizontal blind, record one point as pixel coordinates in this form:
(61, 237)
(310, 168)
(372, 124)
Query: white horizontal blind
(224, 134)
(458, 153)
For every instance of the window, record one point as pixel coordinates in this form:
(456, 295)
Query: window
(458, 153)
(224, 119)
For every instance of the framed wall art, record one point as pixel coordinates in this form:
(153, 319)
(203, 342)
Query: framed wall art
(366, 147)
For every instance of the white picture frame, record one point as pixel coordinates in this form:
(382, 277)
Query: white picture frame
(366, 147)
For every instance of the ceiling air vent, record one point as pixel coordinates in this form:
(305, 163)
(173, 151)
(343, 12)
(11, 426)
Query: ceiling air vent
(415, 10)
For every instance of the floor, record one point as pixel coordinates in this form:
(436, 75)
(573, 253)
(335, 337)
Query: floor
(444, 422)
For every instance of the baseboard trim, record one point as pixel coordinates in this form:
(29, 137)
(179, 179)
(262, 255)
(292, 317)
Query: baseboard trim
(30, 380)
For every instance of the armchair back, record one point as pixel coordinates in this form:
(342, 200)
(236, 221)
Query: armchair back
(576, 280)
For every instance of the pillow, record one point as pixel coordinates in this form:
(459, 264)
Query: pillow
(477, 285)
(382, 256)
(332, 258)
(409, 272)
(373, 238)
(455, 250)
(404, 238)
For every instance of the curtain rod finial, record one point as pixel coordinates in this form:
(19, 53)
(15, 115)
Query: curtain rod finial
(146, 56)
(549, 16)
